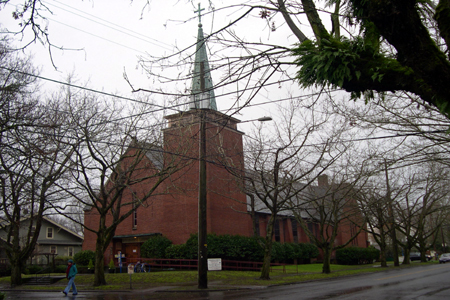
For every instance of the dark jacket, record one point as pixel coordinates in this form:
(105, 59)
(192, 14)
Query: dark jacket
(73, 271)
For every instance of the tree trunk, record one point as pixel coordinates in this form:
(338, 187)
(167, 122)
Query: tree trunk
(383, 248)
(265, 270)
(406, 257)
(383, 256)
(99, 275)
(326, 268)
(16, 272)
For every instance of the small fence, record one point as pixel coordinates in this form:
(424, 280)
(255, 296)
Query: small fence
(191, 264)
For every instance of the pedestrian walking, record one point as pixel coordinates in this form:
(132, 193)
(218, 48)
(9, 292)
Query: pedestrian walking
(71, 271)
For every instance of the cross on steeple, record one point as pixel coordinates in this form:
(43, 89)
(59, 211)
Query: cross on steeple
(199, 11)
(202, 92)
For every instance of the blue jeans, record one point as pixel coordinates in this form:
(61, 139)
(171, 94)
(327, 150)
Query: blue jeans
(71, 284)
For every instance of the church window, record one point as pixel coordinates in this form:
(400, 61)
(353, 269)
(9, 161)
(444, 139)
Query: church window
(277, 230)
(135, 215)
(294, 230)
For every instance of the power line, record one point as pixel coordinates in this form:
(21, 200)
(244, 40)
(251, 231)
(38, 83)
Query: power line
(97, 36)
(161, 108)
(89, 89)
(127, 31)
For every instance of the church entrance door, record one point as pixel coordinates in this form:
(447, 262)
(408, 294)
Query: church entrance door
(132, 252)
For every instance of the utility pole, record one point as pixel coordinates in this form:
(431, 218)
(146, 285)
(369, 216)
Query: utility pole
(202, 223)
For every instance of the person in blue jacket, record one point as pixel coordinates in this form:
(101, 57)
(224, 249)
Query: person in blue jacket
(71, 271)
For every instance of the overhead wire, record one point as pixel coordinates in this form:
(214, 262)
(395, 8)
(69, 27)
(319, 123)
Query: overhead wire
(160, 107)
(121, 29)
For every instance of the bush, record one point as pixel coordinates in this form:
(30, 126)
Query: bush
(155, 247)
(289, 252)
(176, 251)
(2, 296)
(90, 264)
(60, 269)
(229, 247)
(236, 247)
(356, 255)
(278, 254)
(192, 247)
(34, 269)
(373, 254)
(82, 258)
(308, 251)
(111, 264)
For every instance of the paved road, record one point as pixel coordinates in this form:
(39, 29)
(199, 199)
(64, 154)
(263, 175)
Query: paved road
(424, 282)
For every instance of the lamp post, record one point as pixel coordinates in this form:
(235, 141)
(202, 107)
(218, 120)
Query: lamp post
(202, 266)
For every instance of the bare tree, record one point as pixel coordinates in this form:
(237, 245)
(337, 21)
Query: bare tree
(281, 166)
(118, 166)
(333, 210)
(34, 156)
(423, 196)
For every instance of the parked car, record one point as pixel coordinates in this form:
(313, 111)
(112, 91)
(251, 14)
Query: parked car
(445, 257)
(416, 256)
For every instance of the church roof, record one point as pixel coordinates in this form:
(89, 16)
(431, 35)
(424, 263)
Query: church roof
(202, 92)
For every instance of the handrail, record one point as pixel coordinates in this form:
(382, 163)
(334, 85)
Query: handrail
(42, 271)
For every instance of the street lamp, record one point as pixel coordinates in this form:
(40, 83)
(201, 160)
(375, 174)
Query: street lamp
(202, 263)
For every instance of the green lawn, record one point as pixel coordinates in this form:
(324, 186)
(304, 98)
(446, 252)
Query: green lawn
(216, 279)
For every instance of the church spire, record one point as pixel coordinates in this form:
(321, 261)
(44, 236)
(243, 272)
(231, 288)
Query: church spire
(202, 87)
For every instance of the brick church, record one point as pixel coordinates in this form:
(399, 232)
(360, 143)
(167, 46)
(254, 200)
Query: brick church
(174, 213)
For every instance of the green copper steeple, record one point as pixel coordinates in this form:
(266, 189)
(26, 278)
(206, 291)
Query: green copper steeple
(202, 92)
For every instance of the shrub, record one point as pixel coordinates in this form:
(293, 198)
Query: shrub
(62, 259)
(229, 247)
(356, 255)
(155, 247)
(289, 252)
(308, 251)
(277, 252)
(82, 258)
(111, 264)
(2, 296)
(90, 264)
(60, 269)
(34, 269)
(176, 251)
(373, 254)
(192, 247)
(252, 249)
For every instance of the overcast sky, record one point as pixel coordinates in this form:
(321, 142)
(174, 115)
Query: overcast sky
(112, 34)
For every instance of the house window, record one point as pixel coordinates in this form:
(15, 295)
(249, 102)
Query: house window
(70, 251)
(53, 250)
(49, 232)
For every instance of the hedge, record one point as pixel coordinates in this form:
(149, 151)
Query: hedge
(357, 255)
(236, 247)
(288, 252)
